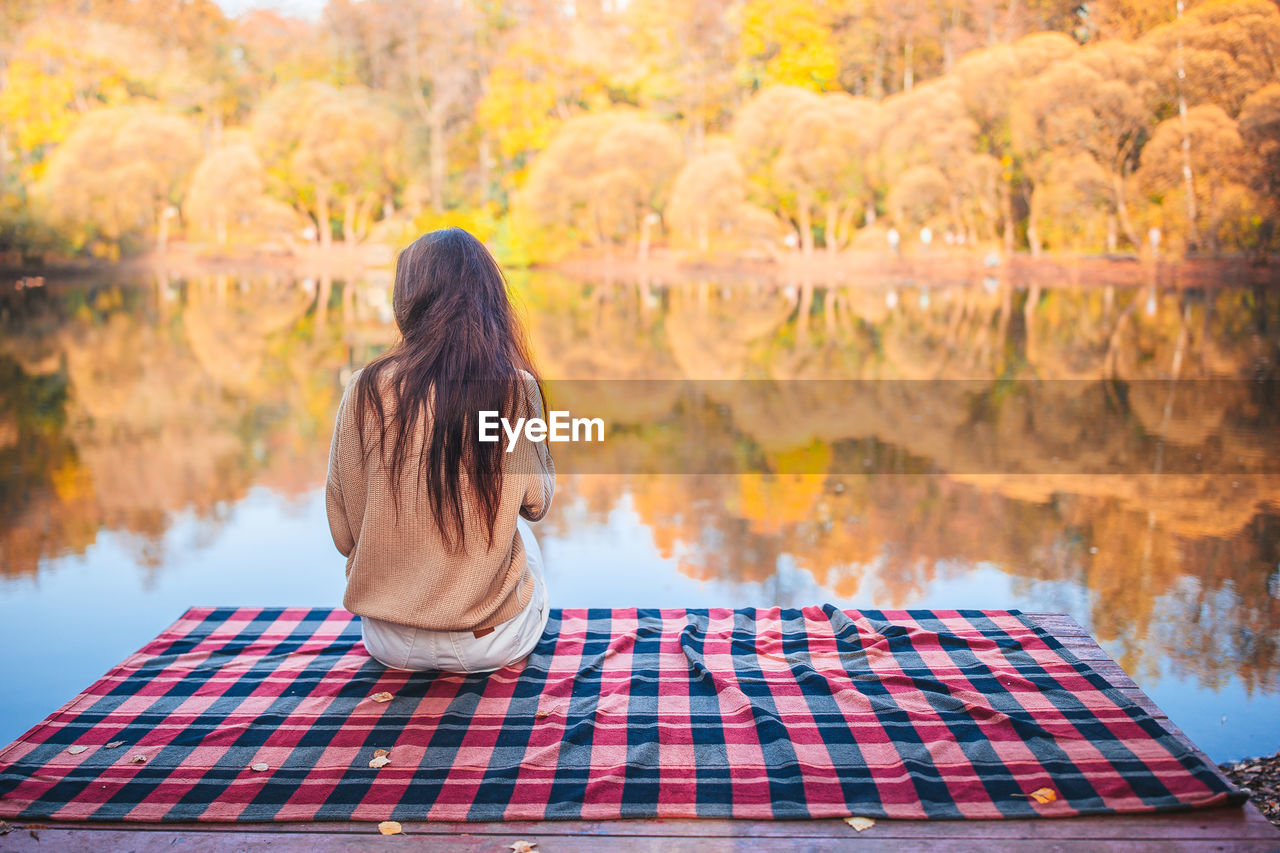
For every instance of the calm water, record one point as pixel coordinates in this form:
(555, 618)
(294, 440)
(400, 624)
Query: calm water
(163, 444)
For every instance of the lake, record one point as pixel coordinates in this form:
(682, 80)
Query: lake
(1110, 452)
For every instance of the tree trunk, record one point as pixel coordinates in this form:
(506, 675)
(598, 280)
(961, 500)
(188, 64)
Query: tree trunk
(877, 75)
(908, 64)
(322, 218)
(646, 226)
(1006, 214)
(833, 225)
(1122, 211)
(805, 225)
(844, 231)
(349, 220)
(1188, 177)
(162, 228)
(1033, 234)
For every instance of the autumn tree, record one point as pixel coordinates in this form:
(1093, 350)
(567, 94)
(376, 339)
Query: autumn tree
(988, 83)
(119, 176)
(1221, 166)
(228, 202)
(683, 64)
(760, 131)
(935, 171)
(788, 43)
(1260, 129)
(327, 147)
(824, 163)
(602, 180)
(1107, 117)
(1228, 49)
(64, 66)
(708, 208)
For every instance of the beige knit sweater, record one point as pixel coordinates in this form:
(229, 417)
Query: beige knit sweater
(402, 572)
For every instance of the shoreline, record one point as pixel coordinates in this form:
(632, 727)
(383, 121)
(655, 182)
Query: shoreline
(939, 267)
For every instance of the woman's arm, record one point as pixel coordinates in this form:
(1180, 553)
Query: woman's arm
(542, 485)
(335, 503)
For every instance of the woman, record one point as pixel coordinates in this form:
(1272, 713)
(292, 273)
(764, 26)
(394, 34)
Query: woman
(442, 568)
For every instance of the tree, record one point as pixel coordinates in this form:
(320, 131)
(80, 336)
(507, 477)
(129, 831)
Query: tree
(684, 57)
(1260, 129)
(760, 131)
(824, 163)
(325, 146)
(228, 199)
(1221, 166)
(989, 82)
(601, 179)
(788, 43)
(119, 175)
(1113, 98)
(64, 66)
(708, 208)
(1229, 49)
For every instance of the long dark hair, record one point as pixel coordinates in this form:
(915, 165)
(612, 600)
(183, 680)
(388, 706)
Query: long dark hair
(460, 352)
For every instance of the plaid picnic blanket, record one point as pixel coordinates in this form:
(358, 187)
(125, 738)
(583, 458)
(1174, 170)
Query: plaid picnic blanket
(770, 713)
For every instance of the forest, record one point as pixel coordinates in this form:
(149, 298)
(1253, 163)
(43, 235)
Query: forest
(714, 128)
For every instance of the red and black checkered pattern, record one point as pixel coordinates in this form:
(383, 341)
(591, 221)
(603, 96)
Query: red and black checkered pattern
(794, 713)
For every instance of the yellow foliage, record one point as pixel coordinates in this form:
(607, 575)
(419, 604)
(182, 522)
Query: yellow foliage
(789, 43)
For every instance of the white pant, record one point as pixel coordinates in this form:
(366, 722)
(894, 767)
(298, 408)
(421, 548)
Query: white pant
(406, 647)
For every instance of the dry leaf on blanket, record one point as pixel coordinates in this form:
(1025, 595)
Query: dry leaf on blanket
(379, 761)
(1044, 796)
(390, 827)
(378, 752)
(542, 715)
(860, 823)
(115, 744)
(77, 749)
(139, 759)
(384, 696)
(260, 766)
(523, 846)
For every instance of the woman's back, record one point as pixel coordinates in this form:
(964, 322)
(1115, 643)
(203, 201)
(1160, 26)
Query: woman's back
(425, 513)
(400, 567)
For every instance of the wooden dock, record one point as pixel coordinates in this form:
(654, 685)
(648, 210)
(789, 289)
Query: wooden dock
(1221, 829)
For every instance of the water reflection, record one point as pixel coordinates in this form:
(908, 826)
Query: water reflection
(124, 405)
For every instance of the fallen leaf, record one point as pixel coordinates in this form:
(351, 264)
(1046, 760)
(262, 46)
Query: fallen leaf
(115, 744)
(1044, 795)
(390, 827)
(378, 752)
(260, 766)
(77, 749)
(542, 715)
(139, 759)
(523, 846)
(5, 829)
(384, 696)
(379, 761)
(860, 823)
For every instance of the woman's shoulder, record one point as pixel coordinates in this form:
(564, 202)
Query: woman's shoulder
(530, 386)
